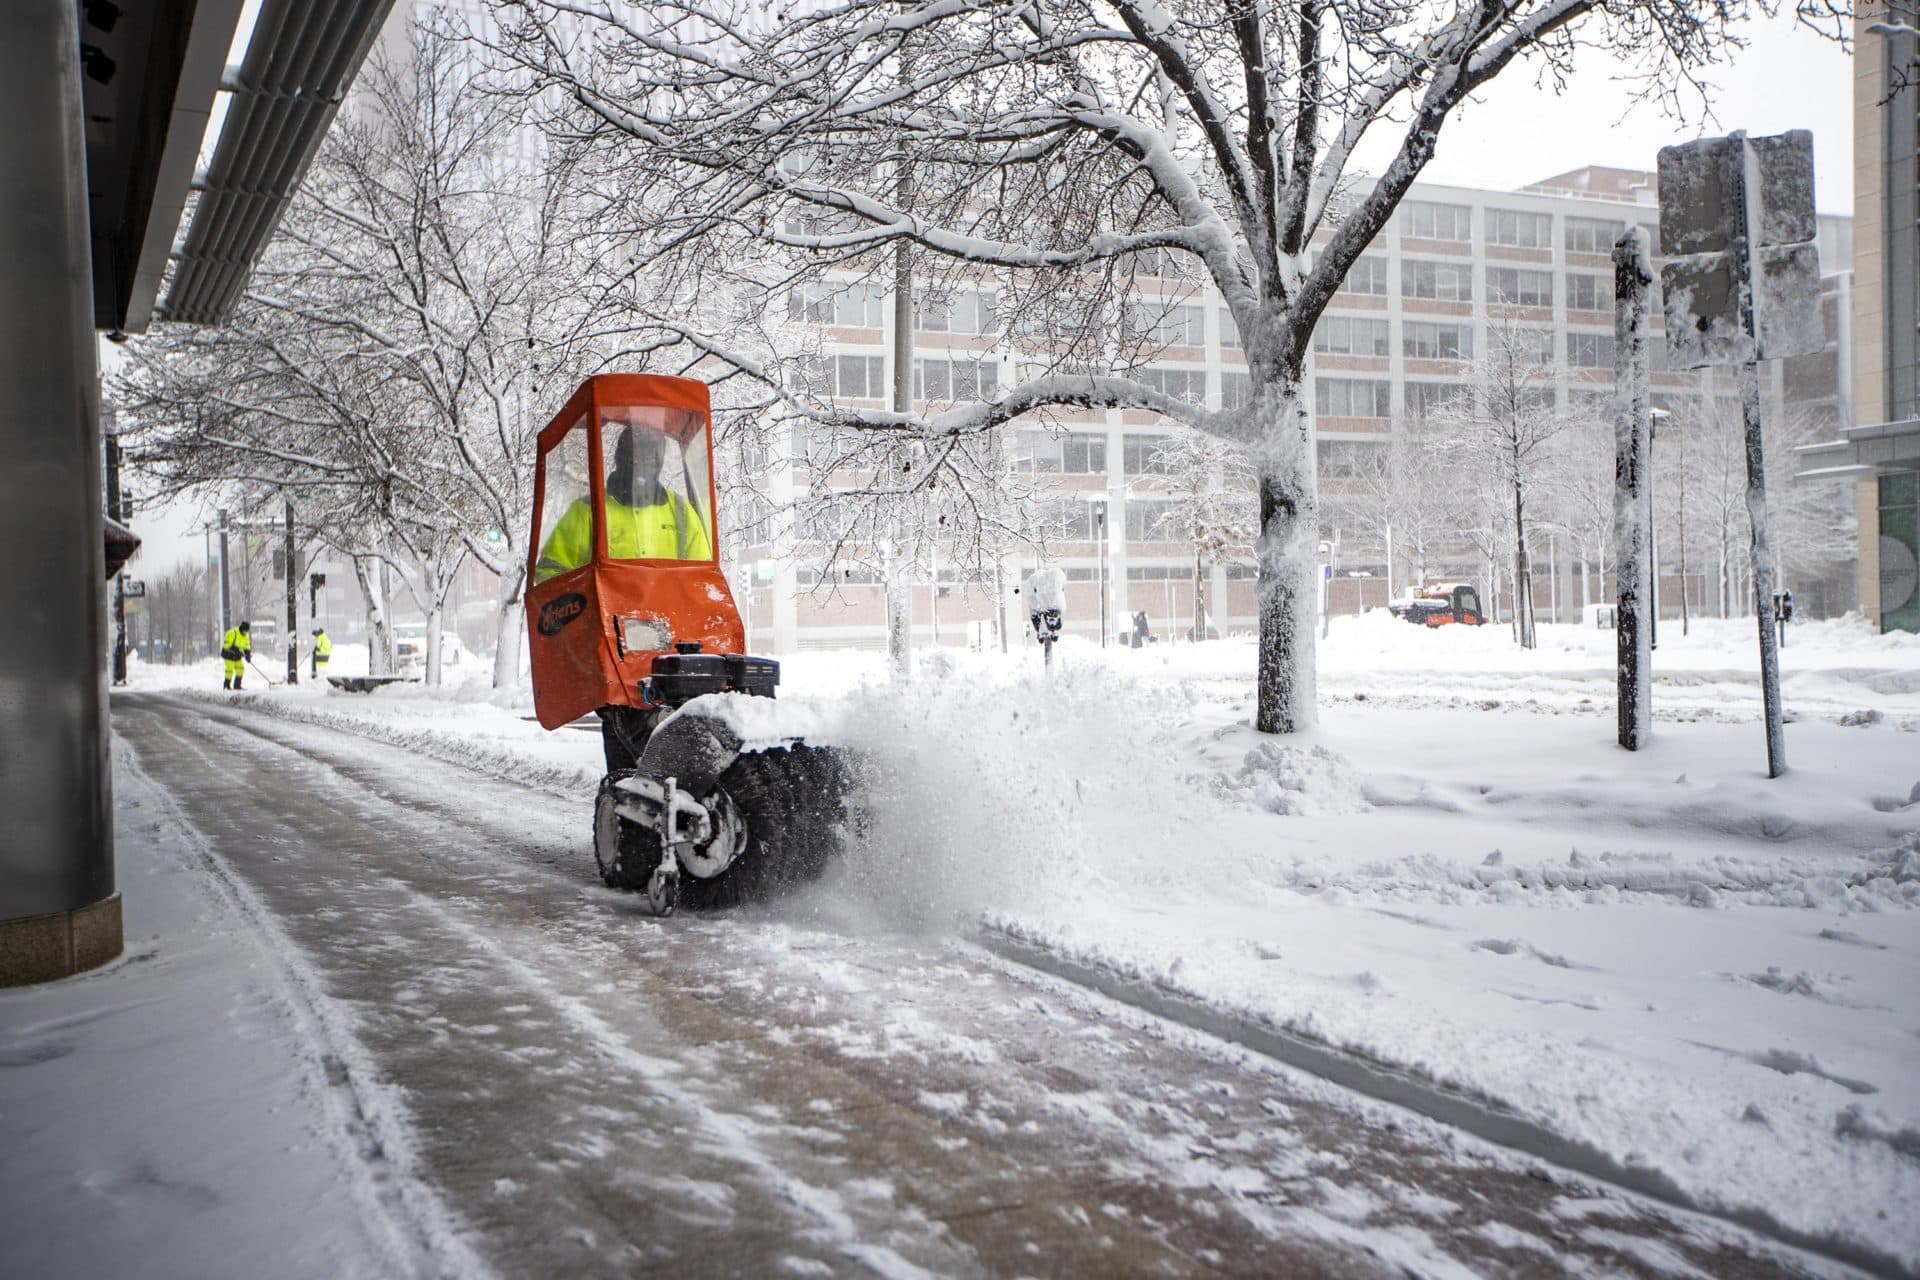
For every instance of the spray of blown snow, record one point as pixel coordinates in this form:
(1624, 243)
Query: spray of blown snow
(982, 792)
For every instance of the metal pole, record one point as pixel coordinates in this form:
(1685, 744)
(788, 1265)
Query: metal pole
(116, 510)
(1653, 542)
(1100, 520)
(899, 585)
(1762, 547)
(226, 588)
(1762, 552)
(293, 598)
(1632, 276)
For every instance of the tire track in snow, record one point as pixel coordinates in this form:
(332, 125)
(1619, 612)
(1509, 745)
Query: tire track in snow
(420, 1234)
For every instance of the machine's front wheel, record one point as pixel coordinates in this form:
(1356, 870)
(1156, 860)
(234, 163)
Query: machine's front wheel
(625, 852)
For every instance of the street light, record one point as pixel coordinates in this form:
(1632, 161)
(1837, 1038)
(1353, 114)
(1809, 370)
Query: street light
(1097, 502)
(1654, 418)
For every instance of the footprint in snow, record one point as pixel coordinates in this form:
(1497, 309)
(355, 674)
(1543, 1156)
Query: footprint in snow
(1789, 1063)
(1513, 946)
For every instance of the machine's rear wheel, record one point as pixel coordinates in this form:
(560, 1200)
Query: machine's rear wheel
(625, 852)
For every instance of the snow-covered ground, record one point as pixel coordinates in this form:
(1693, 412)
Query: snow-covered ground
(1702, 974)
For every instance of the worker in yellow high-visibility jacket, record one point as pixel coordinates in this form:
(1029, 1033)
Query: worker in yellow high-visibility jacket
(645, 519)
(322, 651)
(235, 648)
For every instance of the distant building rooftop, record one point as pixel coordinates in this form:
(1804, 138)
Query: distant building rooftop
(1597, 182)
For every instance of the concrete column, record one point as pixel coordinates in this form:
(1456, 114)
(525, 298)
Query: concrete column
(58, 909)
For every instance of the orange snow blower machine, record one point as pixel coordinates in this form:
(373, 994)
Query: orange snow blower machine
(705, 799)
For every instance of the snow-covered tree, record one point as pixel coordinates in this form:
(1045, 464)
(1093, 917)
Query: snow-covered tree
(428, 301)
(1210, 487)
(1054, 148)
(1501, 429)
(1400, 493)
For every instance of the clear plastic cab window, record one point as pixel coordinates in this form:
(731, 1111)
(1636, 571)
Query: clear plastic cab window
(657, 483)
(566, 507)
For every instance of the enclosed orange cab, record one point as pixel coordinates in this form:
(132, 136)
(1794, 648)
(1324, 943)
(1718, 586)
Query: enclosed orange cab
(623, 563)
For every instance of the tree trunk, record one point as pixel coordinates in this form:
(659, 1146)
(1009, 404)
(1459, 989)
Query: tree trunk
(508, 627)
(379, 637)
(1522, 571)
(1199, 600)
(434, 616)
(1289, 530)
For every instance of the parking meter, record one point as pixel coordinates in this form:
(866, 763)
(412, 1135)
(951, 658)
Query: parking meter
(1046, 605)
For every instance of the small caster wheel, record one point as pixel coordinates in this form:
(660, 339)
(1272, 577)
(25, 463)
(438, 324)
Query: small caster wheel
(663, 891)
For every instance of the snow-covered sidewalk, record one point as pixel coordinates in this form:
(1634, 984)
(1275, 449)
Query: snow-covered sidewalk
(1662, 955)
(171, 1113)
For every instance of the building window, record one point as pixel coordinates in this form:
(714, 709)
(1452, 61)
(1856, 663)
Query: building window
(846, 377)
(1430, 221)
(1144, 516)
(1526, 346)
(1180, 384)
(1367, 275)
(1424, 398)
(1515, 227)
(1077, 453)
(1428, 341)
(1593, 235)
(1448, 281)
(1351, 336)
(823, 448)
(1899, 505)
(1351, 397)
(965, 312)
(1589, 293)
(1229, 331)
(1590, 350)
(1177, 325)
(955, 380)
(1236, 390)
(1139, 455)
(1519, 286)
(856, 306)
(1068, 518)
(1344, 457)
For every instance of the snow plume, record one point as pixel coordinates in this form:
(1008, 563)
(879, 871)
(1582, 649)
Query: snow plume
(983, 793)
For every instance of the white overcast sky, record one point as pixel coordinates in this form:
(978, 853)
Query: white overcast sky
(1515, 133)
(1787, 78)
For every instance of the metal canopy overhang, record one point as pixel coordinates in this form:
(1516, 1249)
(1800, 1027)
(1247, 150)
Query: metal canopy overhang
(149, 74)
(1862, 452)
(298, 65)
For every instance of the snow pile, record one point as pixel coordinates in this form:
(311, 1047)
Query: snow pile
(1288, 778)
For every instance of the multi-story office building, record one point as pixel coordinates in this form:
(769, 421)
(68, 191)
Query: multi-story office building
(1453, 265)
(1879, 451)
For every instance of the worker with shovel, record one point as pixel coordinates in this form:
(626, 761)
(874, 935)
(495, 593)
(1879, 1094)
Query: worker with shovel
(235, 648)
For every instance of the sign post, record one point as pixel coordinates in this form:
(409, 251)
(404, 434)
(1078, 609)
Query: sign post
(1742, 285)
(1632, 490)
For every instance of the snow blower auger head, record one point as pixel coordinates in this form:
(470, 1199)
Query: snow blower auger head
(629, 616)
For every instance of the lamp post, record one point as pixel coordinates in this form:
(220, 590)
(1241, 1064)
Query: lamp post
(1654, 418)
(1097, 503)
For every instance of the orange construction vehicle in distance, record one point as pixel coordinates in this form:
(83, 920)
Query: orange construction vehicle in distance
(1441, 604)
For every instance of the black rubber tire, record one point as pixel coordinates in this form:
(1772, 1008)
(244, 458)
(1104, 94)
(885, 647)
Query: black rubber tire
(637, 852)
